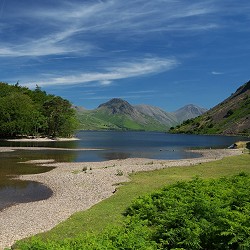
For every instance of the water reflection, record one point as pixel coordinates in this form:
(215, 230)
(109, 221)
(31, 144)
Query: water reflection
(45, 144)
(22, 192)
(12, 164)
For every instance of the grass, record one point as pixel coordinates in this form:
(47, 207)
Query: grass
(110, 211)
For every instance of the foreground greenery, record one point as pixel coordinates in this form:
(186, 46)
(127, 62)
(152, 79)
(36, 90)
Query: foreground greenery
(198, 214)
(111, 231)
(24, 112)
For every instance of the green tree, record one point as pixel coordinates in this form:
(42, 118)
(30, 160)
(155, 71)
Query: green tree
(34, 112)
(60, 117)
(18, 115)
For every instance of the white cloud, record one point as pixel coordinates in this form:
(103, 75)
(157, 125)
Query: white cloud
(53, 44)
(105, 82)
(217, 73)
(125, 70)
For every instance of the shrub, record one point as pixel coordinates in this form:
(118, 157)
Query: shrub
(199, 214)
(119, 172)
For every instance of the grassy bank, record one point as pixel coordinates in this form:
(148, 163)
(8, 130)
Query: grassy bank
(109, 211)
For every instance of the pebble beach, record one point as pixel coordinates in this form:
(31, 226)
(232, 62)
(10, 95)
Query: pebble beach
(77, 187)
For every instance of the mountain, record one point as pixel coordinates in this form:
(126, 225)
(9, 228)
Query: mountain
(158, 114)
(118, 106)
(188, 112)
(118, 114)
(230, 117)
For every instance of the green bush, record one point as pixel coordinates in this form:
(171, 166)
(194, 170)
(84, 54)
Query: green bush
(198, 214)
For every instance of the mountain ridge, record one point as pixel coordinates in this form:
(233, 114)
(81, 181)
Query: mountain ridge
(118, 114)
(162, 116)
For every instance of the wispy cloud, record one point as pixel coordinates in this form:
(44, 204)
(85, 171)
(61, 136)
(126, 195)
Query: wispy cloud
(52, 44)
(124, 70)
(217, 73)
(65, 28)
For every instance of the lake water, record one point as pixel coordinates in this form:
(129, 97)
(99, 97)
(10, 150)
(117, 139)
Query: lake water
(113, 145)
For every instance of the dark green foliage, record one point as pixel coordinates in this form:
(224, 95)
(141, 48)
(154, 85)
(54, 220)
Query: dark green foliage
(60, 117)
(229, 113)
(18, 115)
(24, 112)
(199, 214)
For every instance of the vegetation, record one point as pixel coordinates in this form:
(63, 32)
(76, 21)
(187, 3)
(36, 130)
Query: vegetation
(111, 231)
(24, 112)
(198, 214)
(229, 117)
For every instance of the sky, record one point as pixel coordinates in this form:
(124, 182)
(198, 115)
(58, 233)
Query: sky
(165, 53)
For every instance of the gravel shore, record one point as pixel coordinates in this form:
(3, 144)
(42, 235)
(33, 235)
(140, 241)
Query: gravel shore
(76, 190)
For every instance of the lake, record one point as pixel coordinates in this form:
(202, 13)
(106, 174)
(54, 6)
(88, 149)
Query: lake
(109, 145)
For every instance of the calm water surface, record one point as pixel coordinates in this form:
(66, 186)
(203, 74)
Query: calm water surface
(114, 145)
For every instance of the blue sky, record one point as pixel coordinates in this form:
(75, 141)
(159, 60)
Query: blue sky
(165, 53)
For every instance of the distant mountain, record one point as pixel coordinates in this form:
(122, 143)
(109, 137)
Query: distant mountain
(188, 112)
(118, 114)
(169, 119)
(118, 106)
(230, 117)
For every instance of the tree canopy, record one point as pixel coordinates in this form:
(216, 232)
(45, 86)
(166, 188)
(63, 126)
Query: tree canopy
(25, 112)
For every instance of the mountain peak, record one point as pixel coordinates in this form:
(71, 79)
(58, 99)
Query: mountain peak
(189, 111)
(117, 106)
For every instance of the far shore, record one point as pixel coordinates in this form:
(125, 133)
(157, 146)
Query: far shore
(11, 149)
(77, 187)
(41, 139)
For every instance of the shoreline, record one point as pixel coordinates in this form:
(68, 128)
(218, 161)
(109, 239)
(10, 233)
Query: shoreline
(77, 190)
(41, 139)
(11, 149)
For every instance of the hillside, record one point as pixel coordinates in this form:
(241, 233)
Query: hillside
(118, 114)
(230, 117)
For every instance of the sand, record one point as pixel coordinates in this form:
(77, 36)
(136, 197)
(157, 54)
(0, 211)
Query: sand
(43, 139)
(77, 190)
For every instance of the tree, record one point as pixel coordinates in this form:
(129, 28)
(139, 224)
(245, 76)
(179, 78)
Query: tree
(60, 117)
(18, 115)
(34, 112)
